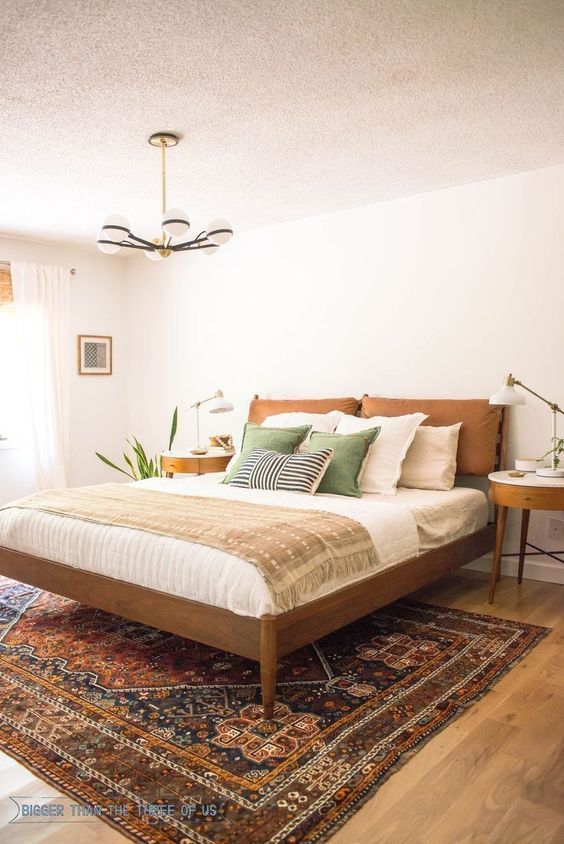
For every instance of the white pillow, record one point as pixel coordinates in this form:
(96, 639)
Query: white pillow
(430, 462)
(324, 422)
(382, 467)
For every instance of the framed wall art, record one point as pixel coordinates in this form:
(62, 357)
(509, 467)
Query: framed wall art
(94, 355)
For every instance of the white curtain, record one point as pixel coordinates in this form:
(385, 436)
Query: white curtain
(42, 304)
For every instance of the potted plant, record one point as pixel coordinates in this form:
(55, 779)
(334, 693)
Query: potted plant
(555, 452)
(139, 465)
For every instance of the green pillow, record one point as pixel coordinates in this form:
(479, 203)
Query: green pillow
(349, 451)
(282, 440)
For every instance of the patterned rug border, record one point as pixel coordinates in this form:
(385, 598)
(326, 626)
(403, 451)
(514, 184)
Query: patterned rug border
(399, 756)
(419, 742)
(68, 791)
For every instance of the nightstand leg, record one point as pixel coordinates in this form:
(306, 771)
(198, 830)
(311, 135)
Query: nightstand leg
(496, 566)
(170, 474)
(523, 545)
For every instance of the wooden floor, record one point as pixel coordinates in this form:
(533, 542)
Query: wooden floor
(494, 776)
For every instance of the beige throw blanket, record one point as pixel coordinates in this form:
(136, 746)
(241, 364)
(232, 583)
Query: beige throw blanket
(294, 550)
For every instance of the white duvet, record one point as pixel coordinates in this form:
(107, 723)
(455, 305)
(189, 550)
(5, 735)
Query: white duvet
(206, 574)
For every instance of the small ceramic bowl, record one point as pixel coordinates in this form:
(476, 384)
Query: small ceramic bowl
(526, 464)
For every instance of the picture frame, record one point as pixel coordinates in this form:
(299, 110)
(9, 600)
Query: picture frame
(94, 354)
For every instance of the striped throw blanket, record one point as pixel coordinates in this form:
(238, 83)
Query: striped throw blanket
(294, 550)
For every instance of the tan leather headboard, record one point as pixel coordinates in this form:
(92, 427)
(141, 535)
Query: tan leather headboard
(478, 435)
(261, 408)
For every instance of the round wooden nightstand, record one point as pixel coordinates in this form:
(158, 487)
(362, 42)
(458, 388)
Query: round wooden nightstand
(530, 492)
(215, 460)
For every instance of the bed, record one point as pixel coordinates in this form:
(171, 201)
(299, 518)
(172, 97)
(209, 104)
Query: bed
(419, 536)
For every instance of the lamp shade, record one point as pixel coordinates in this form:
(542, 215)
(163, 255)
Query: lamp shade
(508, 396)
(175, 222)
(108, 246)
(153, 256)
(208, 250)
(219, 404)
(219, 232)
(115, 227)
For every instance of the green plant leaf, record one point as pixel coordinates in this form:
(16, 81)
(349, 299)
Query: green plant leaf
(130, 464)
(173, 428)
(141, 451)
(112, 465)
(557, 449)
(141, 459)
(142, 468)
(145, 468)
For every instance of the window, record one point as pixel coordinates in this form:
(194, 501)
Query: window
(6, 297)
(13, 407)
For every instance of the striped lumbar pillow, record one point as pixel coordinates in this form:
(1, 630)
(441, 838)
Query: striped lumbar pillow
(264, 469)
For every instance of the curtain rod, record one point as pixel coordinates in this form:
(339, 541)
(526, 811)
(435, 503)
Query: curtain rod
(72, 270)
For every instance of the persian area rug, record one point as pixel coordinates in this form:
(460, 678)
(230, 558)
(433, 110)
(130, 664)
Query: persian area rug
(163, 737)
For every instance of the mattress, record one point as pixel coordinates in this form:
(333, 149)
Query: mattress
(401, 527)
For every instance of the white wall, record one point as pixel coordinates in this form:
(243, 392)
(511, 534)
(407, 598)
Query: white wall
(98, 405)
(435, 295)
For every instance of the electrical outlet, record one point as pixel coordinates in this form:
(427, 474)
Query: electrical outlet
(556, 529)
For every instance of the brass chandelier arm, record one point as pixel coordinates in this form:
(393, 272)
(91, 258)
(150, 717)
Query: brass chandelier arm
(140, 243)
(124, 243)
(146, 243)
(198, 242)
(191, 245)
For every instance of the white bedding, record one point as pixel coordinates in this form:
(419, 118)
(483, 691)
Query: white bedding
(400, 527)
(441, 515)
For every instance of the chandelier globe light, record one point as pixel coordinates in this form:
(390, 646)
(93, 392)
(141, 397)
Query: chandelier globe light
(175, 222)
(108, 247)
(116, 231)
(153, 256)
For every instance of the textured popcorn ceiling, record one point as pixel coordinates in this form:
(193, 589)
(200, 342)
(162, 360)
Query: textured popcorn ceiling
(287, 108)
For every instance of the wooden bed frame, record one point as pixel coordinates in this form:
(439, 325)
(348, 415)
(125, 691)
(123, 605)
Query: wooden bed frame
(270, 637)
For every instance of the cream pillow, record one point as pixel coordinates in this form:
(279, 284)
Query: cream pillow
(430, 462)
(324, 422)
(382, 466)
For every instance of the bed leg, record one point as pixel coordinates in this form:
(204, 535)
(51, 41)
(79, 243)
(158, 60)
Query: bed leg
(268, 663)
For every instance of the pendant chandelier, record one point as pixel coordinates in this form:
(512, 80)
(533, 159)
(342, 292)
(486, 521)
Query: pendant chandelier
(116, 232)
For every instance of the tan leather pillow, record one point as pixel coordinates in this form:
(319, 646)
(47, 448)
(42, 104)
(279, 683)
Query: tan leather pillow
(480, 424)
(261, 408)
